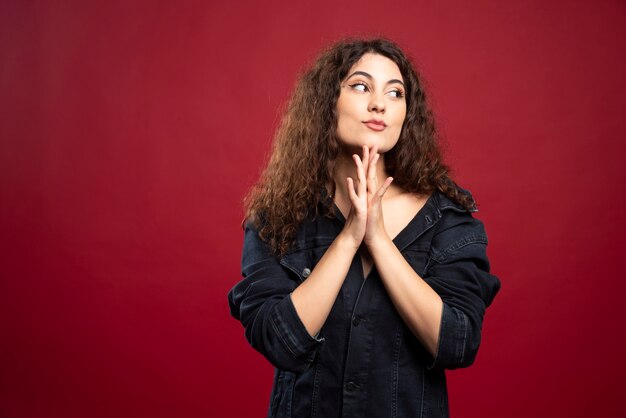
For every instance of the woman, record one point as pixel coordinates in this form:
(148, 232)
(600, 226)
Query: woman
(364, 274)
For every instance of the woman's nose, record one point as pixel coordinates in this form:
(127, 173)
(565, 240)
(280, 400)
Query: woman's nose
(376, 104)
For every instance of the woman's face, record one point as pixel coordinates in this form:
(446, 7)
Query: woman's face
(371, 105)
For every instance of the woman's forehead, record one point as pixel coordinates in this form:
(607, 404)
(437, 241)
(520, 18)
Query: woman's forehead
(377, 66)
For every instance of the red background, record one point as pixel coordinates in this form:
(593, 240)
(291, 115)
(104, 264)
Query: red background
(131, 130)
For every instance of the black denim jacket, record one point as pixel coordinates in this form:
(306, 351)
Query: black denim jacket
(365, 362)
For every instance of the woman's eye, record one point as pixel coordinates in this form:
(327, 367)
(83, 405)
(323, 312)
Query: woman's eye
(359, 87)
(396, 93)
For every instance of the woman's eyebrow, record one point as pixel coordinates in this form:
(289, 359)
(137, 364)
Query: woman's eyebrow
(369, 76)
(363, 73)
(396, 81)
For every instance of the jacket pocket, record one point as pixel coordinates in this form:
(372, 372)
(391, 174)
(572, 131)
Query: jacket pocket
(302, 261)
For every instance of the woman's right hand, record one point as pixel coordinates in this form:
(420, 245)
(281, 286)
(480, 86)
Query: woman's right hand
(354, 229)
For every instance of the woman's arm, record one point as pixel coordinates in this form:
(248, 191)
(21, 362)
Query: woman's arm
(279, 316)
(315, 297)
(444, 310)
(269, 305)
(417, 303)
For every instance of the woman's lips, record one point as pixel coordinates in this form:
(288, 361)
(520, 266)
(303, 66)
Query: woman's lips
(375, 125)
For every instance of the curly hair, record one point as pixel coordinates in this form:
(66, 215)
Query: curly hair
(305, 147)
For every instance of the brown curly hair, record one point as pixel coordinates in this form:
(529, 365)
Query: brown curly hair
(305, 146)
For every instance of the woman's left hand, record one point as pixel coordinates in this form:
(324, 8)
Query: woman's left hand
(375, 226)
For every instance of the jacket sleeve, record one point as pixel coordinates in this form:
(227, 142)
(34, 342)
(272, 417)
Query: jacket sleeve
(262, 302)
(459, 272)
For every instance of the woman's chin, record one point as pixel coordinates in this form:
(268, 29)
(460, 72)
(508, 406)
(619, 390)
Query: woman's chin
(357, 148)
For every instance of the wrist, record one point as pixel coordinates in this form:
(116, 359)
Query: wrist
(378, 241)
(347, 243)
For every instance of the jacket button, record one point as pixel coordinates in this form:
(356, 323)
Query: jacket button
(351, 386)
(356, 320)
(306, 272)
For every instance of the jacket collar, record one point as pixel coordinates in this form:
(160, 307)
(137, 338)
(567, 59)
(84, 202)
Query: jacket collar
(323, 230)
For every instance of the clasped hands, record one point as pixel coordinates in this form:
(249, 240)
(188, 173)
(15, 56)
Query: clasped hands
(365, 221)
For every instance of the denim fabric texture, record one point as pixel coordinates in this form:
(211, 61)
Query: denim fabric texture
(365, 362)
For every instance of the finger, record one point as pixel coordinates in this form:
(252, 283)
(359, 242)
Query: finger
(371, 171)
(366, 158)
(362, 188)
(373, 152)
(372, 181)
(353, 196)
(384, 187)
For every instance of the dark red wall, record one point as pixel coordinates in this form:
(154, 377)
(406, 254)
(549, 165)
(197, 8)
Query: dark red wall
(131, 130)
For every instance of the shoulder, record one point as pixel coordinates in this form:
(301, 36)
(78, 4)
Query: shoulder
(255, 249)
(315, 232)
(456, 227)
(445, 202)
